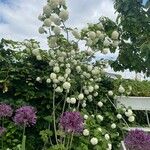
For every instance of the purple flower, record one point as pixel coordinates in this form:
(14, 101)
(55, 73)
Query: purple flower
(137, 140)
(5, 110)
(25, 115)
(2, 131)
(71, 122)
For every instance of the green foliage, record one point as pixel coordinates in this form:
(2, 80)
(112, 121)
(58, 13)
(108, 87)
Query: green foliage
(139, 88)
(134, 48)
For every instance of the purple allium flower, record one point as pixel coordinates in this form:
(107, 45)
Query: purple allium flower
(137, 140)
(71, 122)
(5, 110)
(25, 115)
(2, 130)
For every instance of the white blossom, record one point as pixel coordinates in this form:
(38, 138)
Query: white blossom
(90, 89)
(80, 96)
(47, 22)
(94, 141)
(113, 126)
(95, 94)
(119, 116)
(131, 119)
(100, 104)
(66, 85)
(56, 69)
(61, 78)
(53, 76)
(38, 79)
(115, 35)
(86, 132)
(96, 87)
(121, 89)
(72, 100)
(85, 117)
(100, 117)
(99, 129)
(92, 35)
(64, 15)
(59, 89)
(83, 105)
(47, 10)
(57, 30)
(48, 80)
(76, 34)
(105, 50)
(110, 93)
(68, 71)
(41, 30)
(107, 137)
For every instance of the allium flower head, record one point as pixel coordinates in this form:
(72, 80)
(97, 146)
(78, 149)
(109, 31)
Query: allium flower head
(72, 122)
(2, 130)
(5, 110)
(137, 140)
(25, 115)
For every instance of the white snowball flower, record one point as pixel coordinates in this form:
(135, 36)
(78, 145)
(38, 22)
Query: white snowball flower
(68, 65)
(47, 22)
(55, 81)
(64, 15)
(57, 30)
(85, 117)
(92, 35)
(54, 3)
(84, 105)
(107, 137)
(47, 10)
(115, 35)
(56, 69)
(68, 100)
(53, 76)
(99, 129)
(105, 50)
(89, 67)
(38, 79)
(62, 2)
(90, 89)
(100, 104)
(96, 87)
(76, 34)
(94, 141)
(54, 18)
(86, 132)
(41, 30)
(86, 92)
(98, 33)
(121, 89)
(113, 126)
(35, 51)
(131, 119)
(119, 116)
(100, 117)
(100, 25)
(61, 78)
(48, 80)
(109, 146)
(66, 85)
(78, 68)
(59, 89)
(72, 100)
(40, 17)
(129, 113)
(68, 71)
(110, 93)
(80, 96)
(90, 97)
(95, 94)
(115, 43)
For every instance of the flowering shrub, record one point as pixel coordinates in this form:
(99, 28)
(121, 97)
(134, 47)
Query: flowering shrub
(137, 140)
(73, 98)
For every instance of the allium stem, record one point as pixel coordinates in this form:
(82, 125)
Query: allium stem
(2, 136)
(54, 118)
(64, 103)
(23, 138)
(72, 135)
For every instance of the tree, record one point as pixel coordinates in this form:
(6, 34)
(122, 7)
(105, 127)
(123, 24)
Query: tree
(134, 24)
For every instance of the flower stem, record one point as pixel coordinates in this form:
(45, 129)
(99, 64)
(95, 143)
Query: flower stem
(2, 136)
(54, 118)
(23, 138)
